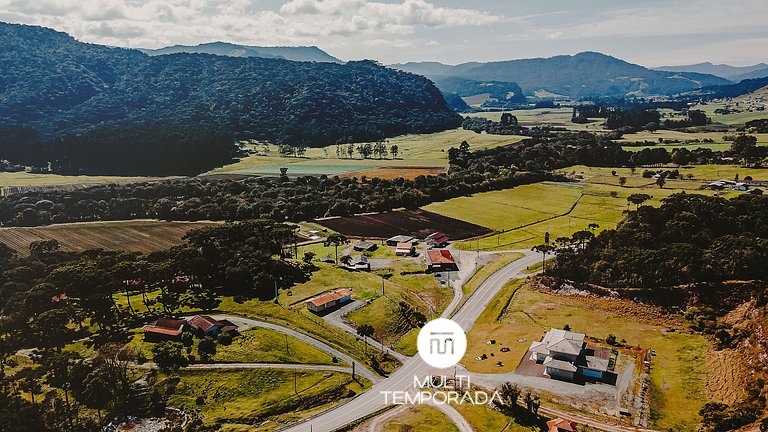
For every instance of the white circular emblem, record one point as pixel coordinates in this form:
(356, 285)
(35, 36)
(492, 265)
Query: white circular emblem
(442, 343)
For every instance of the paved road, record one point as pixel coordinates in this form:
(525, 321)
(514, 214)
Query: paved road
(336, 318)
(402, 379)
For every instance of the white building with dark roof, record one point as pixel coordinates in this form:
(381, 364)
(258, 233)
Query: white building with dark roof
(565, 355)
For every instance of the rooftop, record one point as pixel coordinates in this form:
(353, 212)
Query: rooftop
(441, 256)
(333, 296)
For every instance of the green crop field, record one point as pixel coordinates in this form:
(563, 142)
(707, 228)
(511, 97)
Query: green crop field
(557, 117)
(679, 372)
(246, 399)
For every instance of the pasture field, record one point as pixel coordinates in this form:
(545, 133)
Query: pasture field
(389, 173)
(25, 180)
(505, 209)
(519, 315)
(417, 223)
(414, 151)
(259, 400)
(134, 236)
(730, 119)
(597, 205)
(556, 117)
(700, 172)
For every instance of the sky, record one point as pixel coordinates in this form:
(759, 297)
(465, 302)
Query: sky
(647, 32)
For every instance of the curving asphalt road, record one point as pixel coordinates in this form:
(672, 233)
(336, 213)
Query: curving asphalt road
(402, 379)
(247, 323)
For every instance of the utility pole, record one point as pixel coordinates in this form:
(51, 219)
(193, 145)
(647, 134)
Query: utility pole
(286, 346)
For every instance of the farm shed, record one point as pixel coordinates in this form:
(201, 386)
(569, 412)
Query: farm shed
(329, 301)
(440, 260)
(164, 329)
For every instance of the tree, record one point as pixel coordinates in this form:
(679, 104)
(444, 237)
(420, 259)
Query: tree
(622, 181)
(336, 240)
(40, 248)
(638, 199)
(510, 395)
(394, 150)
(169, 356)
(365, 330)
(308, 257)
(661, 181)
(543, 249)
(206, 348)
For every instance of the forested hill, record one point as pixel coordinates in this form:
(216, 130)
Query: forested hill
(57, 85)
(297, 53)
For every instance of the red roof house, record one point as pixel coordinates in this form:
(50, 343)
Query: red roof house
(561, 425)
(164, 329)
(441, 260)
(328, 301)
(437, 240)
(204, 325)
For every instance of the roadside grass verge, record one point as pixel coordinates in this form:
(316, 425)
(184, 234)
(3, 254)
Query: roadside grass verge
(259, 399)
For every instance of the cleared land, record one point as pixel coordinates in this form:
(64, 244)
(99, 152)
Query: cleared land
(519, 315)
(135, 236)
(260, 400)
(417, 223)
(541, 209)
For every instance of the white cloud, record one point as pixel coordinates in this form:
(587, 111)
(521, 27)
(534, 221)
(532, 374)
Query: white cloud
(155, 23)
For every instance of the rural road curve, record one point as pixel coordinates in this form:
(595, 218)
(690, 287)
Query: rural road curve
(247, 323)
(402, 379)
(336, 318)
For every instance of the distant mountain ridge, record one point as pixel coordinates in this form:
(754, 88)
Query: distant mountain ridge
(293, 53)
(582, 75)
(733, 73)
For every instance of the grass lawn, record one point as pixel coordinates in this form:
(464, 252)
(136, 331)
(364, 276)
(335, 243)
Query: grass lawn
(422, 418)
(485, 418)
(678, 373)
(259, 400)
(269, 346)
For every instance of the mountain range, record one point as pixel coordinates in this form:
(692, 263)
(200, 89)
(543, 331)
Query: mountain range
(297, 53)
(733, 73)
(587, 74)
(55, 84)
